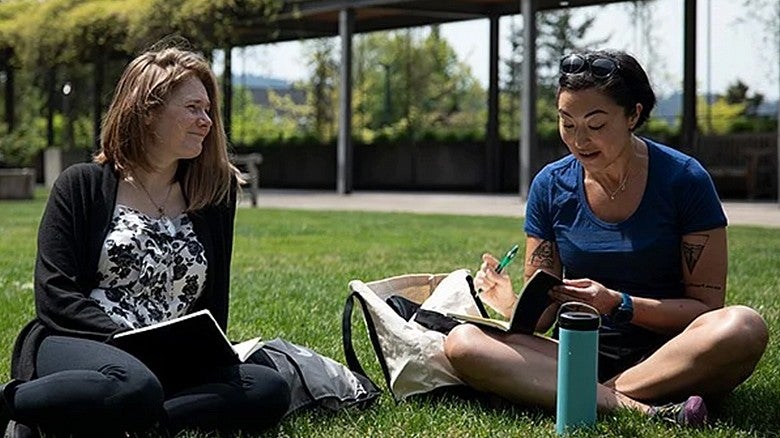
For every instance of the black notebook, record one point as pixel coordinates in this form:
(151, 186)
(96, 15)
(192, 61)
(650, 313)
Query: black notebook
(528, 308)
(191, 339)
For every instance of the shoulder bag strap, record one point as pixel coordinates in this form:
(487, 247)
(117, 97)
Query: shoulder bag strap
(346, 337)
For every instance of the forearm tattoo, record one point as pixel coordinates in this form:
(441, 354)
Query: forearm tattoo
(542, 257)
(692, 247)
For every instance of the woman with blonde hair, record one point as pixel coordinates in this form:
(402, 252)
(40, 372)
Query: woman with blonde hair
(142, 235)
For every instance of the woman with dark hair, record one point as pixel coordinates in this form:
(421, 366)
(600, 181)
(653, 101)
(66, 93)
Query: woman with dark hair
(637, 231)
(142, 235)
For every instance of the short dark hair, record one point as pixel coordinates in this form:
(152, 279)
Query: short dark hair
(627, 86)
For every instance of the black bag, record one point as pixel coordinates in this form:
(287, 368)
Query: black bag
(315, 380)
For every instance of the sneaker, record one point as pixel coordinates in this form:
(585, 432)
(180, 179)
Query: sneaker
(4, 414)
(19, 430)
(691, 412)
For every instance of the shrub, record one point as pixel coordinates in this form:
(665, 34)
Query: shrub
(20, 147)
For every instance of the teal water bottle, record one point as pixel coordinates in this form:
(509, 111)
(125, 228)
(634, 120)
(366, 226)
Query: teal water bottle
(578, 342)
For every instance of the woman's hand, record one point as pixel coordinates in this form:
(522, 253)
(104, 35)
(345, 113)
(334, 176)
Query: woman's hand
(496, 289)
(586, 291)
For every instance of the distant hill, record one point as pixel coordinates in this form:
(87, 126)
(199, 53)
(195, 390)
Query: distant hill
(261, 82)
(261, 86)
(669, 108)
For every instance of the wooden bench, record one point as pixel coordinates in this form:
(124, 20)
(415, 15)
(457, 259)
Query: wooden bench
(747, 162)
(249, 164)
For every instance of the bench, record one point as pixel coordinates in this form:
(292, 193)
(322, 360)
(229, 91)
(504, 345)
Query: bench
(745, 162)
(249, 164)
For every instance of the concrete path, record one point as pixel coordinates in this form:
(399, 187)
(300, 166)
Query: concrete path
(765, 214)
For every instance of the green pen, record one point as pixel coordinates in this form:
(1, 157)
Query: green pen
(507, 259)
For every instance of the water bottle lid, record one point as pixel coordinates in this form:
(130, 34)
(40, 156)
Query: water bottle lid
(581, 321)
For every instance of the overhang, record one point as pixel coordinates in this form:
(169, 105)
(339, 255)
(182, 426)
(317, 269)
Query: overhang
(304, 19)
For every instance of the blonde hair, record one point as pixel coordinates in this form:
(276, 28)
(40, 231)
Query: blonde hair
(143, 89)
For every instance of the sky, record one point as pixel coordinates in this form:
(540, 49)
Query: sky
(737, 48)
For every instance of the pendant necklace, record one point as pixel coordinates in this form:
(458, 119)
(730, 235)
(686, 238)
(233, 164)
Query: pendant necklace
(160, 207)
(620, 188)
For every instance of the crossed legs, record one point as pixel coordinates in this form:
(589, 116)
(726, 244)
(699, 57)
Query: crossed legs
(90, 388)
(714, 354)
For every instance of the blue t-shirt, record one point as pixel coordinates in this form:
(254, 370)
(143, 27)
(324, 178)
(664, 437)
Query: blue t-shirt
(642, 254)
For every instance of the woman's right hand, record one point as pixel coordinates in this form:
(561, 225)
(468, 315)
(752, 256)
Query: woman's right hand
(496, 289)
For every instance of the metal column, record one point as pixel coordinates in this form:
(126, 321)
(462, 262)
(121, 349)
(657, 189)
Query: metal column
(689, 133)
(344, 152)
(528, 136)
(492, 144)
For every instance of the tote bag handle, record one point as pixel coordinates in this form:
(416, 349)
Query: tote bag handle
(346, 337)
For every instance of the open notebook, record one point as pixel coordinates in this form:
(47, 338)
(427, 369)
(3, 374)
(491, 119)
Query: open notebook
(534, 299)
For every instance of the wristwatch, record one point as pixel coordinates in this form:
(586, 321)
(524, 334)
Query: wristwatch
(624, 312)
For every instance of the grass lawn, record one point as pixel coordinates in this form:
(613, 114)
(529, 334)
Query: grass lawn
(289, 279)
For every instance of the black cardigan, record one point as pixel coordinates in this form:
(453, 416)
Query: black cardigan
(70, 237)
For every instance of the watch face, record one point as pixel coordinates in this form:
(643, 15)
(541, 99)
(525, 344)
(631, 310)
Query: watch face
(622, 316)
(624, 312)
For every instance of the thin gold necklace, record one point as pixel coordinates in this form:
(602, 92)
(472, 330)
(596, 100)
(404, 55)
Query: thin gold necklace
(160, 207)
(620, 188)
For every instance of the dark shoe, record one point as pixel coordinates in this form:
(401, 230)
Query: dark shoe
(4, 414)
(19, 430)
(691, 412)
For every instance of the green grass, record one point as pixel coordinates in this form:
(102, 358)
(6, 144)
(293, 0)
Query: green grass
(289, 279)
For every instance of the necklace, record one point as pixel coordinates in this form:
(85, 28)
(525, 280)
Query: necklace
(160, 207)
(620, 188)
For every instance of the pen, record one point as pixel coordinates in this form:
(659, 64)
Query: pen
(507, 259)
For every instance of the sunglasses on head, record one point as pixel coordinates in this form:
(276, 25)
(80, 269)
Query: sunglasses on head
(599, 66)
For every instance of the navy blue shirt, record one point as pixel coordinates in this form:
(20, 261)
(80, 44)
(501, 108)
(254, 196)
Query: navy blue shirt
(640, 255)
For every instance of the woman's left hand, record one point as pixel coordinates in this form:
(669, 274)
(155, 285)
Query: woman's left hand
(586, 291)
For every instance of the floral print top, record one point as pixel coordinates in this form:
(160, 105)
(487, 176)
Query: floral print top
(150, 270)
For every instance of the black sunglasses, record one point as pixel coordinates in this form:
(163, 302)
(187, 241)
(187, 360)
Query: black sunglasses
(599, 66)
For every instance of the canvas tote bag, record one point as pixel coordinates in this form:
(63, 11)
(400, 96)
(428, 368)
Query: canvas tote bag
(411, 356)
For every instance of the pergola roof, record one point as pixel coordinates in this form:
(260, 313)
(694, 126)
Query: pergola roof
(303, 19)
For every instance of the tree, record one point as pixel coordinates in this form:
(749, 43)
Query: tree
(736, 111)
(279, 122)
(767, 14)
(322, 88)
(51, 41)
(645, 27)
(509, 97)
(560, 31)
(738, 93)
(407, 83)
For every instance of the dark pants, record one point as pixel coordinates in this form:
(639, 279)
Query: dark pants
(88, 387)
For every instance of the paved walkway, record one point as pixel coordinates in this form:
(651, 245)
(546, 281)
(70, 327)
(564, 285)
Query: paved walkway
(765, 214)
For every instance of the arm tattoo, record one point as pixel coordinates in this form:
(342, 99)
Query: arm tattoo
(542, 257)
(692, 249)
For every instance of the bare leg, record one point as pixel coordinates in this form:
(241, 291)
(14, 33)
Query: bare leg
(714, 354)
(519, 368)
